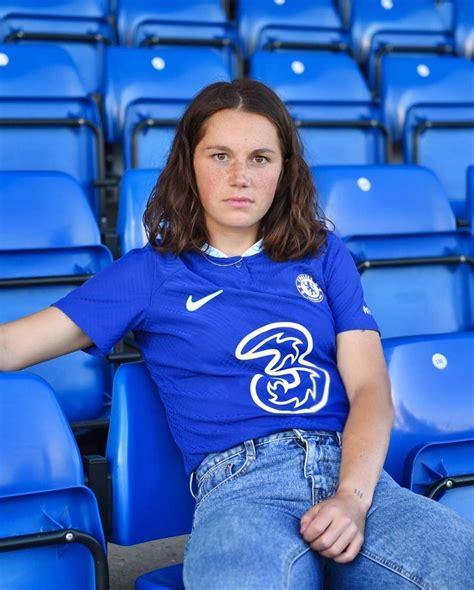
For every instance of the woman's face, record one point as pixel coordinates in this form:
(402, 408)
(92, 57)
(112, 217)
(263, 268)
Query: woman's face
(237, 164)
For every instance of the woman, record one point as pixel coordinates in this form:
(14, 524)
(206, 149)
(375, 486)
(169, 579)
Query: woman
(251, 319)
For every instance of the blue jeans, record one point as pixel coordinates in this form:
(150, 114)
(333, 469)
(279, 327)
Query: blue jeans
(246, 524)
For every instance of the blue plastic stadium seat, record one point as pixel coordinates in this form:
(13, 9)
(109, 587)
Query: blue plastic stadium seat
(147, 23)
(329, 99)
(382, 26)
(81, 27)
(269, 24)
(150, 487)
(135, 189)
(464, 27)
(42, 495)
(49, 242)
(416, 268)
(429, 105)
(432, 442)
(167, 578)
(147, 91)
(47, 119)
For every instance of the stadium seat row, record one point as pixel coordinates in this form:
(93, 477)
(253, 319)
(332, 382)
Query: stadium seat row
(369, 29)
(426, 109)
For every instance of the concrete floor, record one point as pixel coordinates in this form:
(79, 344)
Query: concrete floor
(127, 563)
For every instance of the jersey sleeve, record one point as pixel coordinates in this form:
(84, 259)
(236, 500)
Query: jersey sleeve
(344, 289)
(114, 301)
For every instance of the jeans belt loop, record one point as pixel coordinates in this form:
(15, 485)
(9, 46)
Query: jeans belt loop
(250, 452)
(339, 438)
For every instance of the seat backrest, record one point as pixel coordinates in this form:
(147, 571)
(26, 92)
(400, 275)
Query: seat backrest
(52, 203)
(289, 21)
(195, 19)
(151, 498)
(383, 200)
(382, 16)
(408, 81)
(311, 77)
(401, 231)
(163, 76)
(76, 9)
(37, 449)
(432, 381)
(28, 72)
(135, 189)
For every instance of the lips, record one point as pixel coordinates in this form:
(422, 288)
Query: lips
(239, 202)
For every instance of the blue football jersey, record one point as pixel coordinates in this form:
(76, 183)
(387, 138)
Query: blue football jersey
(238, 347)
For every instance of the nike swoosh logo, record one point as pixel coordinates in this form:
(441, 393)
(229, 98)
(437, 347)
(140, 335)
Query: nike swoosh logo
(194, 305)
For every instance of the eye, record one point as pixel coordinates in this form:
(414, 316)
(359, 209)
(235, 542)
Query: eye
(261, 159)
(220, 157)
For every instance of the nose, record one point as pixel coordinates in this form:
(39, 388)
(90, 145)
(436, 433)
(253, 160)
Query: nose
(239, 174)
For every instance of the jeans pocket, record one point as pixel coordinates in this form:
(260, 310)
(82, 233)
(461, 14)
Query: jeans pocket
(220, 473)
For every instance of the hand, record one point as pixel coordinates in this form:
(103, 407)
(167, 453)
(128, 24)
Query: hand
(335, 527)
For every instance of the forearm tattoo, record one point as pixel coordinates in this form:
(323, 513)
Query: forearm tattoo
(358, 493)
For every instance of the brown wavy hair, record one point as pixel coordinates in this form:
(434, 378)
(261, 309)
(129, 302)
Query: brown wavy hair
(174, 220)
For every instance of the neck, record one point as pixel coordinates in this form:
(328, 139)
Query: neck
(233, 244)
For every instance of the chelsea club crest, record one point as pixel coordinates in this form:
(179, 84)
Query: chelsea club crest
(309, 288)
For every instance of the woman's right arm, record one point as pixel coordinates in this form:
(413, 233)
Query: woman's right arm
(38, 337)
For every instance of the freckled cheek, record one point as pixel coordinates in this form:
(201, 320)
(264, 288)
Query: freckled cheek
(209, 183)
(268, 185)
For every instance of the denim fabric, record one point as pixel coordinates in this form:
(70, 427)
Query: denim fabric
(249, 501)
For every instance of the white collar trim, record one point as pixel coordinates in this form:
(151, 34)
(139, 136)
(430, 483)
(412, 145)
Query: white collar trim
(211, 251)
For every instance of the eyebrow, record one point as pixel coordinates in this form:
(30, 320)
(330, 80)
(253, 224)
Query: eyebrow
(225, 148)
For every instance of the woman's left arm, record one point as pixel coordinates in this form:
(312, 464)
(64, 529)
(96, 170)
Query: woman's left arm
(335, 527)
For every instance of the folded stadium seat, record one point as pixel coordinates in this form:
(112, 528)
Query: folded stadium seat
(432, 443)
(47, 119)
(416, 267)
(135, 188)
(50, 529)
(147, 91)
(428, 104)
(147, 23)
(150, 490)
(402, 26)
(49, 243)
(79, 26)
(464, 27)
(271, 24)
(330, 102)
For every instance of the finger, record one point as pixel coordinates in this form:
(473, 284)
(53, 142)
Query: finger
(332, 533)
(308, 516)
(341, 543)
(351, 552)
(318, 525)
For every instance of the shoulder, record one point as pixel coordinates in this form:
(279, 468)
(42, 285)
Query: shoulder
(148, 256)
(336, 260)
(140, 266)
(333, 244)
(332, 249)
